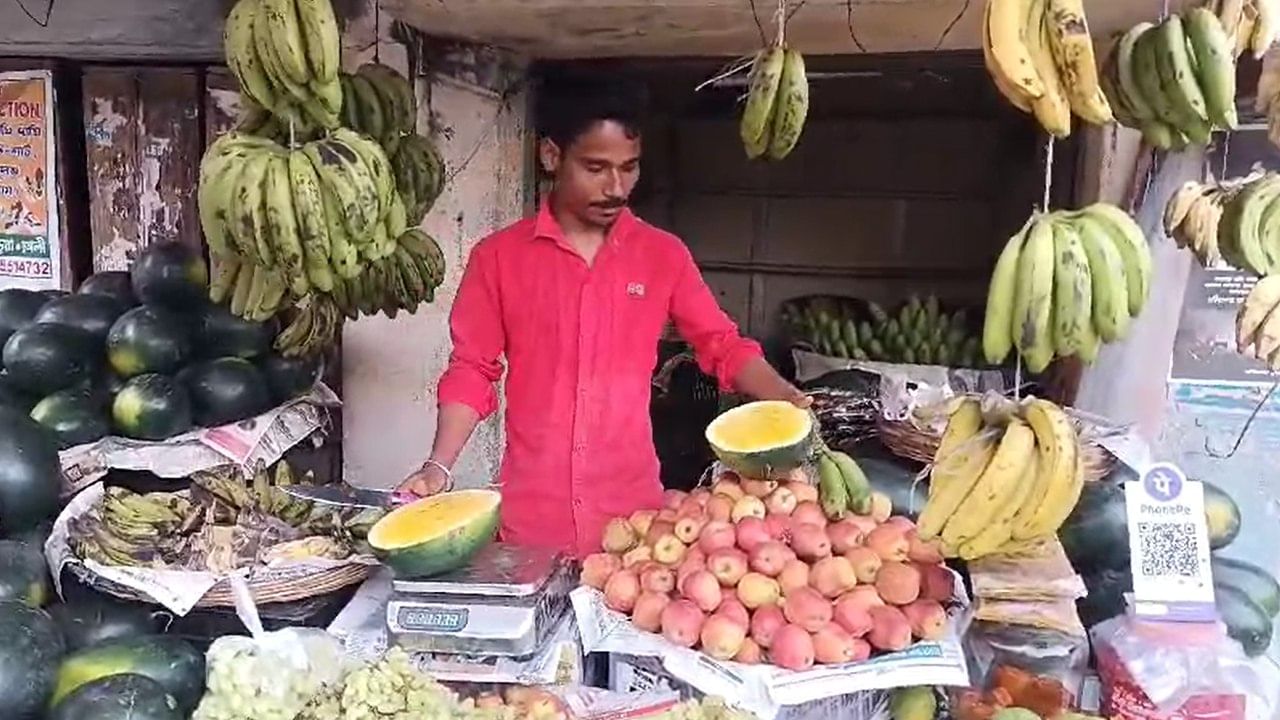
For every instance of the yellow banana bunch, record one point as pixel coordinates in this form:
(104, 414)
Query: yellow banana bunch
(777, 104)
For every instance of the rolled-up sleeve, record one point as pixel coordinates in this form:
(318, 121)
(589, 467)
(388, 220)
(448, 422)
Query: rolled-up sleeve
(475, 326)
(720, 348)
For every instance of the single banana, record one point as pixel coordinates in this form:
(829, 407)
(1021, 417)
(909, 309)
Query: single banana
(370, 108)
(1262, 299)
(791, 106)
(1059, 449)
(412, 276)
(757, 114)
(396, 95)
(855, 482)
(832, 494)
(247, 222)
(1157, 134)
(223, 272)
(958, 475)
(1052, 108)
(375, 161)
(354, 190)
(1110, 289)
(242, 55)
(239, 303)
(320, 37)
(1033, 298)
(963, 423)
(997, 327)
(1006, 28)
(286, 34)
(1174, 66)
(1264, 27)
(1134, 250)
(1215, 68)
(1180, 203)
(1073, 47)
(1015, 95)
(1147, 73)
(282, 226)
(998, 531)
(1125, 72)
(1231, 15)
(312, 228)
(1072, 290)
(343, 257)
(995, 487)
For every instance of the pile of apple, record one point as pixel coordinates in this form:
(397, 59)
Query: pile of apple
(753, 571)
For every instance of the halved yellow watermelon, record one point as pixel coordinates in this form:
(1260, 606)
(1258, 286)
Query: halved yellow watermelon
(765, 439)
(436, 534)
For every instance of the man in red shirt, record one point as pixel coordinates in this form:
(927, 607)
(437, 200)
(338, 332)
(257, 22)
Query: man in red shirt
(575, 299)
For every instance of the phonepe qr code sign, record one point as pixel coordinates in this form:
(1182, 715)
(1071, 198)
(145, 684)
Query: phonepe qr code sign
(1169, 546)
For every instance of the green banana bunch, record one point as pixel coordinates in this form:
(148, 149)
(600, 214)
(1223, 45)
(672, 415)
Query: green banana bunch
(777, 104)
(419, 175)
(1235, 220)
(313, 328)
(919, 332)
(379, 102)
(1065, 283)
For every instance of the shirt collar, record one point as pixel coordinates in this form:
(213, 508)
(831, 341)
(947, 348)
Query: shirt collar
(546, 227)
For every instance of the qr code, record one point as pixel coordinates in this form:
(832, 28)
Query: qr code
(1168, 549)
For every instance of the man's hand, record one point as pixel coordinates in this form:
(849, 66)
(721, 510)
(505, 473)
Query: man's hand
(427, 480)
(799, 399)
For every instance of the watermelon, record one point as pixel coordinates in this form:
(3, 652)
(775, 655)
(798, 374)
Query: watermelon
(151, 407)
(12, 396)
(1222, 515)
(95, 314)
(436, 534)
(170, 661)
(148, 340)
(75, 417)
(92, 620)
(225, 390)
(115, 284)
(30, 647)
(24, 576)
(30, 474)
(17, 309)
(289, 378)
(766, 439)
(119, 697)
(222, 334)
(171, 275)
(47, 358)
(53, 294)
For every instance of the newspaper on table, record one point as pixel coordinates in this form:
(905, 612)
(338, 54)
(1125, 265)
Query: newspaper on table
(256, 441)
(767, 690)
(362, 626)
(176, 590)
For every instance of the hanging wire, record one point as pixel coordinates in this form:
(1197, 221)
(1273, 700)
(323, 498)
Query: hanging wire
(1048, 174)
(759, 25)
(951, 25)
(848, 17)
(780, 23)
(377, 31)
(48, 12)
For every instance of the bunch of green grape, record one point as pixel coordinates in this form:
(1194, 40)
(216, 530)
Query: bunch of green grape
(393, 689)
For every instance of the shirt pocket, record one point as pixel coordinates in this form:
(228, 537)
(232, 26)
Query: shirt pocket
(640, 315)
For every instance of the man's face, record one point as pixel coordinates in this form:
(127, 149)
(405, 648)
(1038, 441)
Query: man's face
(596, 173)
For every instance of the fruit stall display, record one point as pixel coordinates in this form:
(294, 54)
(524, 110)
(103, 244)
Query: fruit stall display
(920, 331)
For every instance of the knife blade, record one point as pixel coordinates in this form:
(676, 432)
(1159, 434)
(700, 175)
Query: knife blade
(348, 496)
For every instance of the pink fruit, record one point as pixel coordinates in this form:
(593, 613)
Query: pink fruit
(637, 556)
(881, 507)
(936, 582)
(832, 576)
(803, 491)
(751, 533)
(703, 589)
(810, 541)
(727, 484)
(865, 562)
(750, 653)
(758, 488)
(923, 551)
(781, 501)
(689, 566)
(778, 527)
(720, 507)
(671, 499)
(682, 622)
(898, 583)
(619, 536)
(701, 496)
(731, 607)
(696, 553)
(792, 648)
(659, 529)
(621, 591)
(844, 536)
(722, 637)
(861, 650)
(747, 506)
(756, 590)
(668, 550)
(807, 608)
(716, 535)
(832, 645)
(728, 565)
(853, 615)
(808, 512)
(667, 515)
(865, 596)
(640, 521)
(597, 567)
(647, 613)
(889, 629)
(658, 578)
(927, 619)
(863, 522)
(765, 621)
(795, 574)
(889, 542)
(690, 508)
(770, 557)
(689, 527)
(901, 521)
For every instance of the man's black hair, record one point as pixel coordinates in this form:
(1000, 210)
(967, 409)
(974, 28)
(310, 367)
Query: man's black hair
(570, 101)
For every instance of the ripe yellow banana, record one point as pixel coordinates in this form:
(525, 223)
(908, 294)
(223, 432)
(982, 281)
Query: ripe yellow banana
(1263, 298)
(1073, 48)
(1011, 60)
(997, 484)
(953, 477)
(1051, 107)
(1016, 95)
(1050, 501)
(997, 326)
(1179, 205)
(962, 425)
(999, 529)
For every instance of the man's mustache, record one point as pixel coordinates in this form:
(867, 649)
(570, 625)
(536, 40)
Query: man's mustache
(610, 204)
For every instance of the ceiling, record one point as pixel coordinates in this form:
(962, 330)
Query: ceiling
(663, 28)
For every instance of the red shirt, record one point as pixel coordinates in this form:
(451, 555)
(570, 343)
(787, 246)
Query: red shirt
(581, 344)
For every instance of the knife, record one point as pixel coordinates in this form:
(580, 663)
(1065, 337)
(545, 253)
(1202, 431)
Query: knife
(348, 496)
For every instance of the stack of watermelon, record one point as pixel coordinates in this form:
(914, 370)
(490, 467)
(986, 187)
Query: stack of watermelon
(142, 354)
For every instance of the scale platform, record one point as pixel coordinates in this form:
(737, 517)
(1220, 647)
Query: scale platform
(505, 602)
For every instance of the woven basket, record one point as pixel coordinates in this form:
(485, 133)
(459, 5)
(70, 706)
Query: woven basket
(264, 588)
(913, 443)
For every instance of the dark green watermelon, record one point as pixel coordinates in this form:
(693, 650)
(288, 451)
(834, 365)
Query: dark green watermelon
(170, 661)
(30, 474)
(151, 407)
(171, 275)
(225, 390)
(148, 340)
(92, 620)
(44, 359)
(221, 334)
(12, 396)
(30, 650)
(1096, 534)
(34, 536)
(95, 314)
(75, 417)
(290, 377)
(17, 309)
(24, 575)
(114, 284)
(119, 697)
(53, 294)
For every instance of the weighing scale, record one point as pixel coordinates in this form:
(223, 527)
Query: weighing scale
(505, 602)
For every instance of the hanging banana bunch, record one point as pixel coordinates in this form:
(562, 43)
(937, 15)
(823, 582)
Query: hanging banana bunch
(777, 103)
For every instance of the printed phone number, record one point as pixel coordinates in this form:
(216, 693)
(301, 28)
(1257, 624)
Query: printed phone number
(25, 267)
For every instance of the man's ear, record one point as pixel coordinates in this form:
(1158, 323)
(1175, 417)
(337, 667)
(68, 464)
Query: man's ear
(549, 155)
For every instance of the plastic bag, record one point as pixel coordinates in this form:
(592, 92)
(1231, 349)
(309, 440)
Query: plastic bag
(1056, 615)
(1045, 574)
(1183, 671)
(1045, 654)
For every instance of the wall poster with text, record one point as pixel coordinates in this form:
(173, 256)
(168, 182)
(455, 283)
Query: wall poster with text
(30, 252)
